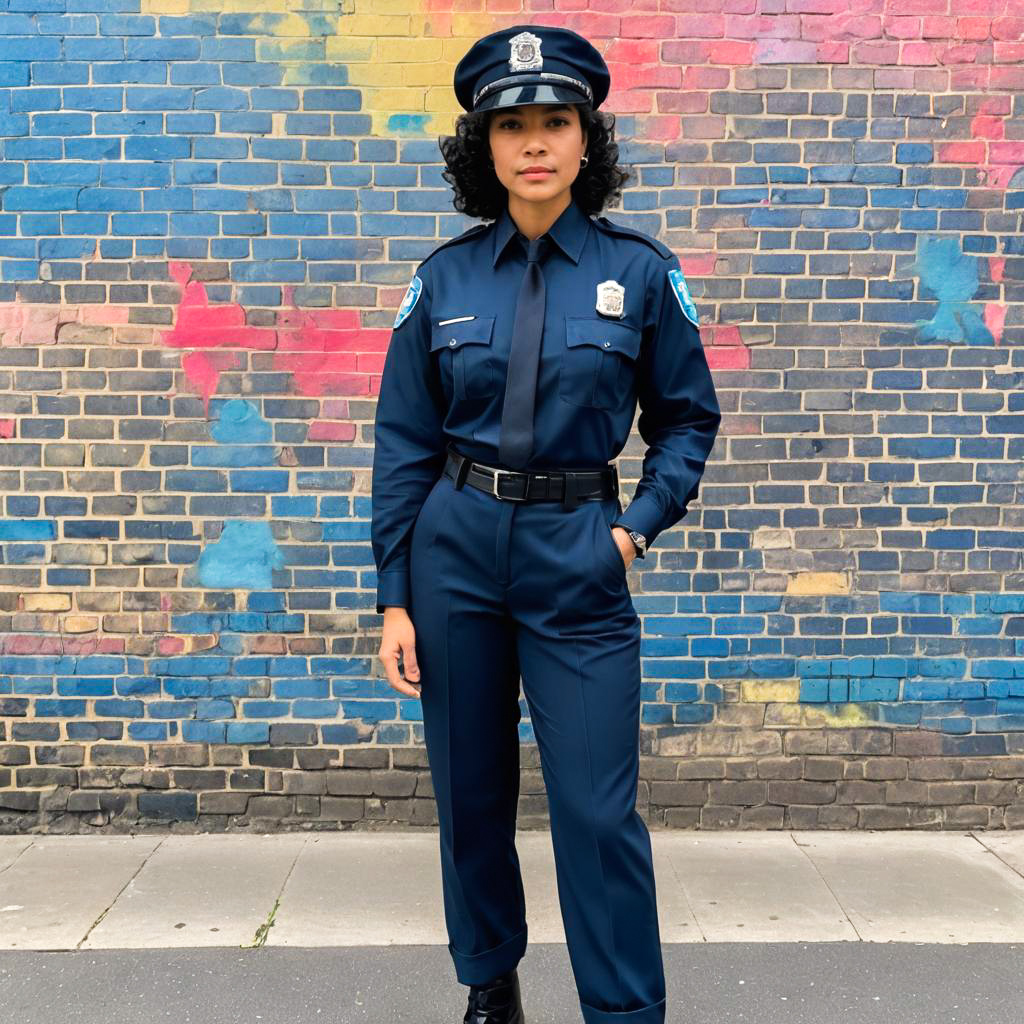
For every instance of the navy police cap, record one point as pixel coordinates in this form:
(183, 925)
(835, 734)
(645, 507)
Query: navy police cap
(531, 64)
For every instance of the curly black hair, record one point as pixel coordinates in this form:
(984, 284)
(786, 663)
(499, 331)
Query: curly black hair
(479, 193)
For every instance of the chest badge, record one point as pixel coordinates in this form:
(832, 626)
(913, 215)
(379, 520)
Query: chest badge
(524, 52)
(611, 298)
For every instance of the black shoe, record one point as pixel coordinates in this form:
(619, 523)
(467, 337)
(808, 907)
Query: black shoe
(497, 1002)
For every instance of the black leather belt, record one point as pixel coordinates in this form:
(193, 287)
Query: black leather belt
(569, 486)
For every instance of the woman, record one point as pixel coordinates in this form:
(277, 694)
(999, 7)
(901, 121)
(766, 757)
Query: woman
(517, 360)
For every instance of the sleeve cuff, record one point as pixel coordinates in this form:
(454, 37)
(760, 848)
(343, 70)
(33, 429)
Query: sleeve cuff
(644, 515)
(392, 589)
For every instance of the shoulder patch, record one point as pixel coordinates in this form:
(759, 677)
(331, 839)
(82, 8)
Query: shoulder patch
(409, 300)
(469, 233)
(682, 294)
(618, 229)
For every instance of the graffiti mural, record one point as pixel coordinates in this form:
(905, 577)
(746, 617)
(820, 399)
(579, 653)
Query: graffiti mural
(210, 212)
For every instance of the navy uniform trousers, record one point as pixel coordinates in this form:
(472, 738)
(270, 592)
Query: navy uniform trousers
(500, 588)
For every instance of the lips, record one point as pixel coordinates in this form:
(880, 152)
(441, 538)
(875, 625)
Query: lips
(537, 170)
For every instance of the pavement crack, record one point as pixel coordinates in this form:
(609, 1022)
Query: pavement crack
(21, 853)
(802, 848)
(145, 860)
(686, 896)
(994, 853)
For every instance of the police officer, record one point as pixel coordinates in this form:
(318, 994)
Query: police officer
(517, 360)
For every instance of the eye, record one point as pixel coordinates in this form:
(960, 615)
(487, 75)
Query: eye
(510, 121)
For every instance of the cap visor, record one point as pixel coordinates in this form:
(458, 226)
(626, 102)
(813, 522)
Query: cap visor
(519, 95)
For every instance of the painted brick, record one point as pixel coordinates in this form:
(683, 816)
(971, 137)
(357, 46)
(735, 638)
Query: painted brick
(185, 453)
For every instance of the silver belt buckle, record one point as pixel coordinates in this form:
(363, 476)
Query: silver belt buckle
(494, 484)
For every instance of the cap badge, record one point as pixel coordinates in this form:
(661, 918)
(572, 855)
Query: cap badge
(610, 298)
(524, 52)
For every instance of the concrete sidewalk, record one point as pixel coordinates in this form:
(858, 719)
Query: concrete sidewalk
(383, 889)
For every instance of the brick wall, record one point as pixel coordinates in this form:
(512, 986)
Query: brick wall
(209, 212)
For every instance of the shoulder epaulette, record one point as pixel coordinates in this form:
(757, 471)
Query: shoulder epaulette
(619, 229)
(470, 232)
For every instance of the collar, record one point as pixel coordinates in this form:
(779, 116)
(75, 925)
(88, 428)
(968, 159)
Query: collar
(569, 231)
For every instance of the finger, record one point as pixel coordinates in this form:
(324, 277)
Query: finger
(399, 684)
(389, 659)
(412, 668)
(390, 663)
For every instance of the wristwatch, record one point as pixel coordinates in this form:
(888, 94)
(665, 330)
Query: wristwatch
(638, 539)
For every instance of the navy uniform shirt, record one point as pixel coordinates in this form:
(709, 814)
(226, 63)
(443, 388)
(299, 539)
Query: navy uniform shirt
(444, 374)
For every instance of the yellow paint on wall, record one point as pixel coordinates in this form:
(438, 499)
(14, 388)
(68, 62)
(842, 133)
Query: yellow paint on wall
(431, 75)
(402, 26)
(375, 74)
(157, 7)
(846, 716)
(415, 51)
(764, 690)
(46, 602)
(819, 583)
(811, 716)
(350, 49)
(400, 56)
(81, 624)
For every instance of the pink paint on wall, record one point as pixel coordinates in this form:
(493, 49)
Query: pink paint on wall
(724, 347)
(995, 319)
(203, 370)
(331, 430)
(35, 643)
(731, 358)
(326, 352)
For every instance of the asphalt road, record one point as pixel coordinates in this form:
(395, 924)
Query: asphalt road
(708, 983)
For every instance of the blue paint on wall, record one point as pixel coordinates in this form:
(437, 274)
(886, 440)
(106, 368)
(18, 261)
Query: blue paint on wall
(28, 529)
(239, 422)
(408, 124)
(952, 277)
(234, 456)
(244, 556)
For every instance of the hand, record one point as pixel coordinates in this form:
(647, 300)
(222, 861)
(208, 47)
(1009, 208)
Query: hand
(625, 544)
(399, 636)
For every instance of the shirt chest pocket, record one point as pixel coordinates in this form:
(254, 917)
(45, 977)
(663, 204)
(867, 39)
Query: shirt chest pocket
(466, 356)
(598, 362)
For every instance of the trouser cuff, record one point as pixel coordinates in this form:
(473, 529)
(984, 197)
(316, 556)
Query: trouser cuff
(480, 968)
(653, 1014)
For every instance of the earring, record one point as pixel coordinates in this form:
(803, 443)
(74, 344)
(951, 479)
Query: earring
(584, 161)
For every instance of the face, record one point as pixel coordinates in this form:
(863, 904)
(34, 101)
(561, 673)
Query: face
(545, 135)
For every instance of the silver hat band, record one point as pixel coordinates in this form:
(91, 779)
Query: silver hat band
(518, 80)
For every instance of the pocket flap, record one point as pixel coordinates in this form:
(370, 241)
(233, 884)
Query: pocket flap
(463, 332)
(604, 334)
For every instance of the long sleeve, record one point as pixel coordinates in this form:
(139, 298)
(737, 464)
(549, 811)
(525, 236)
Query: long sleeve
(409, 447)
(679, 411)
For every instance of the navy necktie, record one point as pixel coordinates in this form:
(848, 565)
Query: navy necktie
(516, 439)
